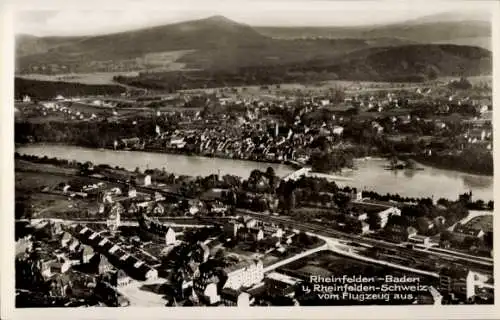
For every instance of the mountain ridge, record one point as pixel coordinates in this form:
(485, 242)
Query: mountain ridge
(217, 42)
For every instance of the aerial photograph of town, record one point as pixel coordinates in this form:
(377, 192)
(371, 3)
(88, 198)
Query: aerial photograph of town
(336, 156)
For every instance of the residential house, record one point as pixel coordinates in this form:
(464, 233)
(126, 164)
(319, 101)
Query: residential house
(476, 135)
(170, 237)
(119, 278)
(114, 215)
(23, 246)
(234, 298)
(101, 263)
(250, 222)
(256, 234)
(210, 294)
(65, 239)
(74, 245)
(458, 283)
(384, 210)
(143, 180)
(399, 232)
(377, 127)
(44, 266)
(60, 267)
(87, 254)
(419, 239)
(131, 192)
(158, 209)
(338, 130)
(231, 229)
(218, 208)
(281, 285)
(365, 227)
(424, 224)
(358, 215)
(148, 272)
(278, 232)
(272, 243)
(60, 286)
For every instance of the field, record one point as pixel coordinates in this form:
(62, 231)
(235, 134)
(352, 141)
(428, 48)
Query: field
(84, 78)
(329, 263)
(157, 62)
(482, 222)
(35, 182)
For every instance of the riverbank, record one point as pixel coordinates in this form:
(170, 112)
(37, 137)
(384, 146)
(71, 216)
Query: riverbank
(457, 165)
(369, 174)
(434, 161)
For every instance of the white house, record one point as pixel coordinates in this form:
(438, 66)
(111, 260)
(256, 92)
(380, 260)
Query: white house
(113, 221)
(144, 180)
(170, 237)
(244, 274)
(338, 130)
(152, 274)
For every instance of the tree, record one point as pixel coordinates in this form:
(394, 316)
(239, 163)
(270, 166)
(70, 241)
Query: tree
(304, 239)
(374, 221)
(490, 205)
(445, 236)
(488, 239)
(271, 175)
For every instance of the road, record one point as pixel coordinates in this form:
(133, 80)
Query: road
(144, 189)
(481, 264)
(122, 223)
(140, 297)
(472, 214)
(335, 246)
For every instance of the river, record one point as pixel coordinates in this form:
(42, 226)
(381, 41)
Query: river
(369, 175)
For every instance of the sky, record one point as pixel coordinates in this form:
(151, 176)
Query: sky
(88, 17)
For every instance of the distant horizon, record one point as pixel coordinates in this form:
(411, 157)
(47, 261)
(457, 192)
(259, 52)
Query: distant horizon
(317, 14)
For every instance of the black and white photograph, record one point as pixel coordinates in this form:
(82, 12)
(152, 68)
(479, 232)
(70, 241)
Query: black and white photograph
(253, 154)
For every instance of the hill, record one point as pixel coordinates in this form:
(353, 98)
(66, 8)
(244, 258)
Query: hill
(424, 30)
(78, 53)
(42, 90)
(409, 63)
(29, 45)
(217, 44)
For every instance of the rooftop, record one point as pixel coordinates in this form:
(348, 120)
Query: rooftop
(283, 278)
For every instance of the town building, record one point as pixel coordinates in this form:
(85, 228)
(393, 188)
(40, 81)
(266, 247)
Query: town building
(338, 130)
(457, 283)
(231, 229)
(114, 216)
(234, 298)
(383, 210)
(60, 285)
(279, 284)
(210, 294)
(419, 239)
(57, 267)
(170, 237)
(143, 180)
(244, 274)
(87, 254)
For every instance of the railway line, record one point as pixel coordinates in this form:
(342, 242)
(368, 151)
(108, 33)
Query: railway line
(479, 264)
